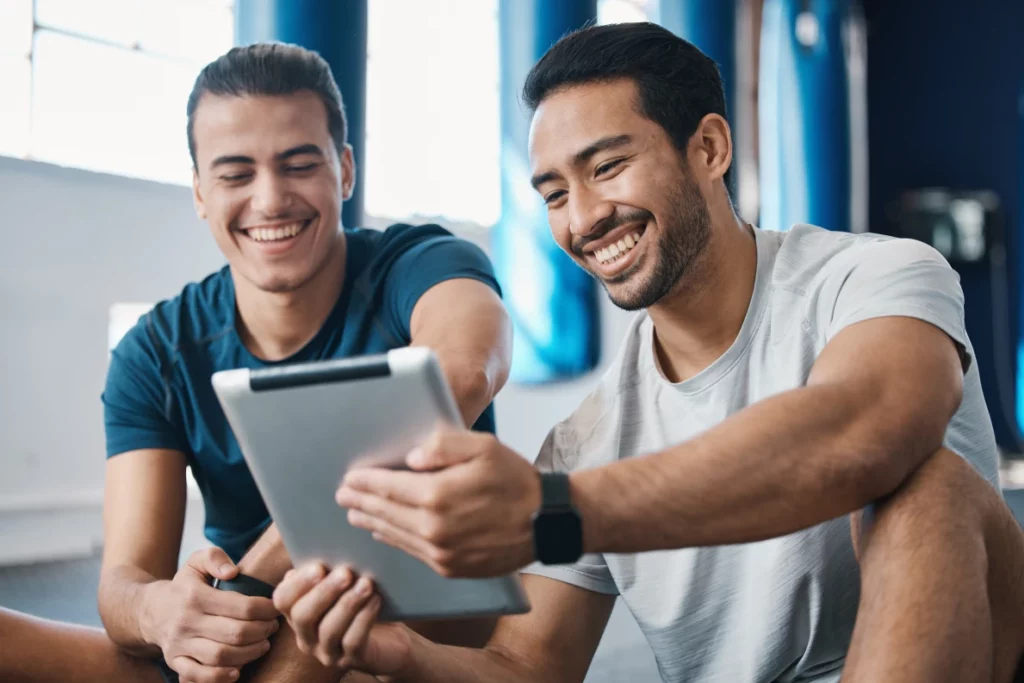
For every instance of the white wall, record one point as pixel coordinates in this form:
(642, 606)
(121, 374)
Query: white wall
(74, 243)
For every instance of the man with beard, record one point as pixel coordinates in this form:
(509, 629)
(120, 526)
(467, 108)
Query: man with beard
(788, 473)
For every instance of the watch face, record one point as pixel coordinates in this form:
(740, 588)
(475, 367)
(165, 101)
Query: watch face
(558, 537)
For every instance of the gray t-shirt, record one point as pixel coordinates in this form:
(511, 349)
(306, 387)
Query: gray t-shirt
(781, 609)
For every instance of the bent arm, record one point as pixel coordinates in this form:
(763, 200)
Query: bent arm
(143, 520)
(464, 322)
(876, 404)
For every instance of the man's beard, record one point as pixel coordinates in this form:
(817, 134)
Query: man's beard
(684, 238)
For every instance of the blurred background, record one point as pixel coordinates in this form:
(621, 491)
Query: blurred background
(903, 117)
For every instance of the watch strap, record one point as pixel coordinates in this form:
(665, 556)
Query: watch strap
(554, 490)
(246, 585)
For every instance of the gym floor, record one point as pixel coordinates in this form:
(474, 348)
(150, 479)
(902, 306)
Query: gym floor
(66, 591)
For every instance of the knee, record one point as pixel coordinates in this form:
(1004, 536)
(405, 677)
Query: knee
(944, 495)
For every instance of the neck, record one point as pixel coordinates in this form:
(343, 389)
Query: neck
(701, 318)
(275, 325)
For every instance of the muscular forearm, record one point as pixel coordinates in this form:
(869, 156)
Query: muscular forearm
(47, 652)
(786, 463)
(433, 663)
(123, 593)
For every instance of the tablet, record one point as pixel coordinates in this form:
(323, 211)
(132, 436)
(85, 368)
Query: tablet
(302, 426)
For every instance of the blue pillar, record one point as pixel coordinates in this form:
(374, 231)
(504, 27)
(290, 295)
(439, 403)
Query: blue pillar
(553, 302)
(812, 111)
(711, 26)
(336, 29)
(1018, 267)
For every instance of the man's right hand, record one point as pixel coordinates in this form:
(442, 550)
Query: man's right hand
(334, 616)
(207, 635)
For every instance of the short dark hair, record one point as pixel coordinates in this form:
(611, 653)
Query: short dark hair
(678, 85)
(270, 69)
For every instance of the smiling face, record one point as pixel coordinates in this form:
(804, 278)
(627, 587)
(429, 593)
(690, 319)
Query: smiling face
(270, 183)
(622, 199)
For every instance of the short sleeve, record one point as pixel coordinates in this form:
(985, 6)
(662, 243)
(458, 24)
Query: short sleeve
(430, 257)
(591, 571)
(137, 405)
(901, 277)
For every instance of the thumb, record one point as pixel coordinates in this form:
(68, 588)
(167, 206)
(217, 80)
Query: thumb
(213, 562)
(444, 449)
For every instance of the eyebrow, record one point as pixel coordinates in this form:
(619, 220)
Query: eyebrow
(307, 148)
(583, 156)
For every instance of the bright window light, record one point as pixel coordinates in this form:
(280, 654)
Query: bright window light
(432, 126)
(107, 109)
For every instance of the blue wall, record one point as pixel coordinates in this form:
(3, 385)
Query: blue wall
(943, 88)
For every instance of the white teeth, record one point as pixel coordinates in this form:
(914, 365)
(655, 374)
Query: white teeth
(272, 234)
(614, 251)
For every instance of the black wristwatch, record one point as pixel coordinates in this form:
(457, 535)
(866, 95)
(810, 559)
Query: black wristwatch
(557, 528)
(246, 585)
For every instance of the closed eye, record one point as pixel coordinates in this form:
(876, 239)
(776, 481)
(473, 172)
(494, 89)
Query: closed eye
(604, 168)
(554, 196)
(302, 168)
(235, 177)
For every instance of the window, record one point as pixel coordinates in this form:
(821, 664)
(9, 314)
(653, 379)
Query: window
(432, 123)
(433, 129)
(102, 85)
(626, 11)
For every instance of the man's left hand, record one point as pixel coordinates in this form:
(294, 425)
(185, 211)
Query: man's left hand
(465, 510)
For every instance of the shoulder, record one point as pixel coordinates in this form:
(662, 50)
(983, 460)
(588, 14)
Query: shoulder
(409, 259)
(399, 238)
(809, 257)
(202, 310)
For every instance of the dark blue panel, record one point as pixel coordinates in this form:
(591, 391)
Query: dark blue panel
(553, 302)
(806, 133)
(336, 29)
(944, 84)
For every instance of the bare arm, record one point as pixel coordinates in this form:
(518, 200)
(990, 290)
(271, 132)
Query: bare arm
(143, 519)
(553, 643)
(464, 322)
(41, 651)
(876, 404)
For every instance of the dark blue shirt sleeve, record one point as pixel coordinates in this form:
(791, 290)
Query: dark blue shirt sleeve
(137, 404)
(427, 262)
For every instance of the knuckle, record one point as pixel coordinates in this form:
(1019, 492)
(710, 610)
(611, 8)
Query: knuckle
(219, 654)
(237, 634)
(441, 556)
(432, 498)
(326, 634)
(350, 643)
(434, 531)
(192, 597)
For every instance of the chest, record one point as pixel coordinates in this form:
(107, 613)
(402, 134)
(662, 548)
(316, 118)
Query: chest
(762, 611)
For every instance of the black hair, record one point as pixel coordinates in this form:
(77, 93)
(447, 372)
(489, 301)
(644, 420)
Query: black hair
(678, 85)
(270, 69)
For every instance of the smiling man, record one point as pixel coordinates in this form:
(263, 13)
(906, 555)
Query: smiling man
(788, 472)
(266, 130)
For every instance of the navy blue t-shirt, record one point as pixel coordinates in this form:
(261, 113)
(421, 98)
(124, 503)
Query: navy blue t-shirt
(158, 392)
